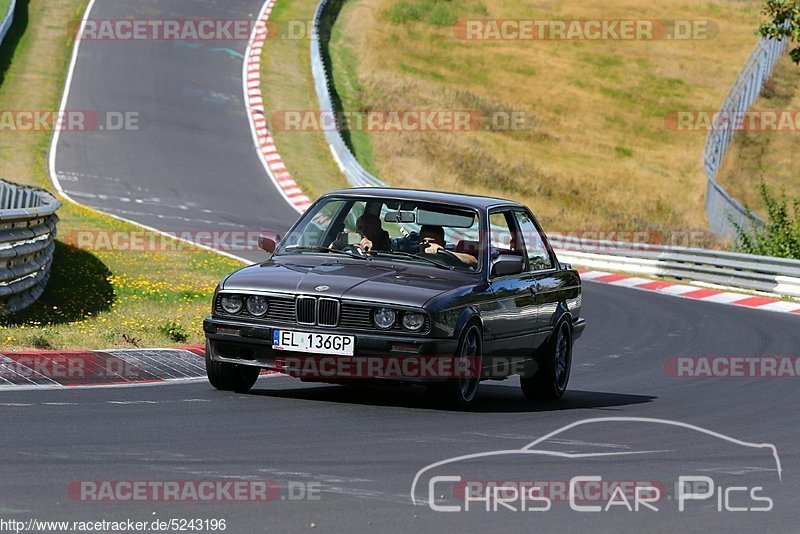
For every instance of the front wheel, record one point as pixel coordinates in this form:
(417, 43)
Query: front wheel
(229, 376)
(461, 390)
(550, 380)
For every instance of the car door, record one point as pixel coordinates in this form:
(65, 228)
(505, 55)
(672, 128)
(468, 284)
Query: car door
(511, 310)
(541, 276)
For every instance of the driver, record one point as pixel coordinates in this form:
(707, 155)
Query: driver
(431, 241)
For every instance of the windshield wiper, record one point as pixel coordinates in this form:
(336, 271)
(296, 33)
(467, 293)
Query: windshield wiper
(419, 257)
(326, 249)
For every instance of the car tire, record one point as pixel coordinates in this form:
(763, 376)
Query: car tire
(462, 391)
(555, 363)
(229, 376)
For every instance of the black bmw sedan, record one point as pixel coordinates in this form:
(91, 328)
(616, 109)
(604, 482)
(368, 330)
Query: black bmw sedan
(440, 289)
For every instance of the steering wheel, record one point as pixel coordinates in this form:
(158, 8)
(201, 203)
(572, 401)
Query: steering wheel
(449, 254)
(354, 249)
(450, 257)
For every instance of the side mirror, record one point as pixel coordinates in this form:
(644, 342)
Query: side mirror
(507, 264)
(267, 243)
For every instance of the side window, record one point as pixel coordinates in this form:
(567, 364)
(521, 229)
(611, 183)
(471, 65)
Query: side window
(356, 211)
(315, 232)
(538, 257)
(503, 240)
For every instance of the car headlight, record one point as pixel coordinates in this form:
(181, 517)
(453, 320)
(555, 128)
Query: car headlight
(413, 321)
(384, 318)
(231, 303)
(257, 305)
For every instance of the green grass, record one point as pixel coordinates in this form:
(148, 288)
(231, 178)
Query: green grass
(95, 298)
(287, 85)
(112, 298)
(344, 67)
(596, 152)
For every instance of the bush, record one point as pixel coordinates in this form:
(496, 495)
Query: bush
(780, 235)
(40, 341)
(174, 332)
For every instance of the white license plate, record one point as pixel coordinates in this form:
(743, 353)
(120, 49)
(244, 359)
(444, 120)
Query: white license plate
(313, 342)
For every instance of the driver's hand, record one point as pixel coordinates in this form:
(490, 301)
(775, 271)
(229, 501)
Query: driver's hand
(433, 248)
(365, 245)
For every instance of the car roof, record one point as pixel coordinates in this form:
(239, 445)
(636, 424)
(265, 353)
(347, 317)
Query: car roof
(459, 199)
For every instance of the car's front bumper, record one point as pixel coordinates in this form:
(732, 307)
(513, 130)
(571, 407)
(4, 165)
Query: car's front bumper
(376, 355)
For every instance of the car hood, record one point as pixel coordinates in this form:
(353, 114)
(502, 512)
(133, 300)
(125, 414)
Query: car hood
(372, 281)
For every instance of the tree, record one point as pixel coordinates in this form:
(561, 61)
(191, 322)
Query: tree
(783, 23)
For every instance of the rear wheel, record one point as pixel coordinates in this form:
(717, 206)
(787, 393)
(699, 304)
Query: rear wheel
(461, 390)
(229, 376)
(551, 378)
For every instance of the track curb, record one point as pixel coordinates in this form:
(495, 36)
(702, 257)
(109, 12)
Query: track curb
(93, 368)
(265, 144)
(694, 292)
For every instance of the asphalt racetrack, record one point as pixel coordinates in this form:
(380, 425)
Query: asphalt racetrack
(358, 450)
(344, 459)
(188, 163)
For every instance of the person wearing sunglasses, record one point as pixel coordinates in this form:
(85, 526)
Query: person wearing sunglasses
(431, 241)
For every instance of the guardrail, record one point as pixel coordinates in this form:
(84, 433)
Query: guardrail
(722, 209)
(731, 269)
(349, 165)
(27, 239)
(8, 18)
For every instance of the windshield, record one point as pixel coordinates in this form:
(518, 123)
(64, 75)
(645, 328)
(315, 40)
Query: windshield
(383, 228)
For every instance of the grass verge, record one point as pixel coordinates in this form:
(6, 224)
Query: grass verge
(771, 155)
(596, 152)
(287, 85)
(95, 298)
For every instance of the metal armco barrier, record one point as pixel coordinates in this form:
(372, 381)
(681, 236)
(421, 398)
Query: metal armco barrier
(721, 208)
(8, 18)
(744, 271)
(27, 232)
(351, 168)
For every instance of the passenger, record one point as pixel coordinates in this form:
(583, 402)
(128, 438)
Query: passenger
(373, 236)
(431, 241)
